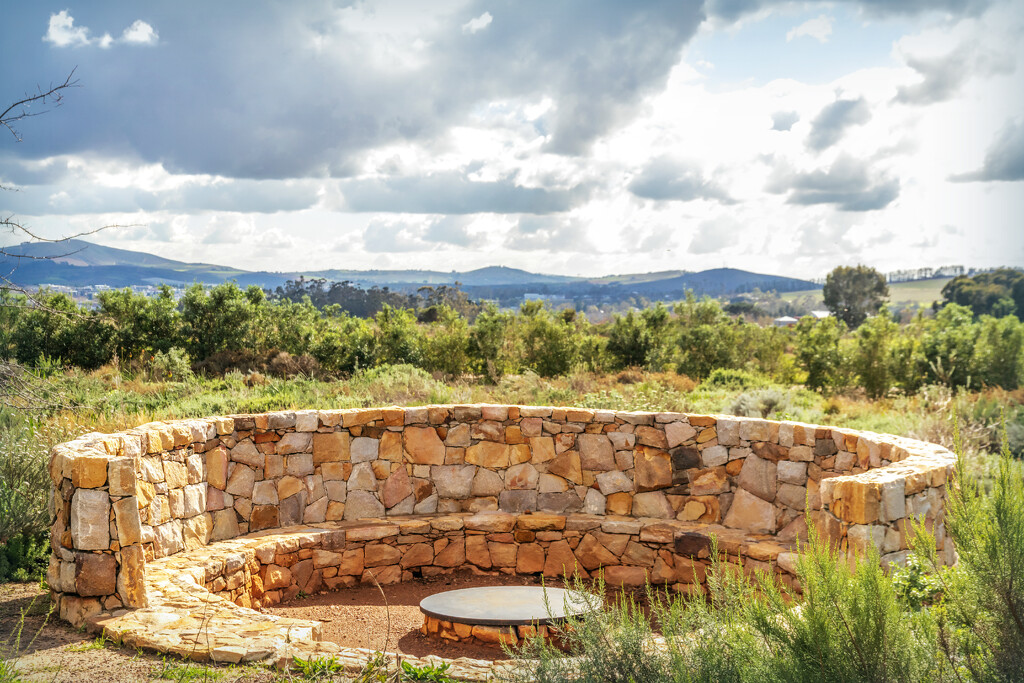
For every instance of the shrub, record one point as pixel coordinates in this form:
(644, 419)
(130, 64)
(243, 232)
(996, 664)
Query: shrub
(760, 403)
(728, 378)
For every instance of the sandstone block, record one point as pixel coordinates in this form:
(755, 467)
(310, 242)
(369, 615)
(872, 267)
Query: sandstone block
(364, 449)
(521, 476)
(792, 495)
(362, 505)
(652, 504)
(790, 472)
(714, 456)
(362, 478)
(263, 517)
(594, 502)
(175, 474)
(90, 519)
(613, 482)
(396, 488)
(245, 452)
(95, 574)
(454, 481)
(241, 481)
(568, 465)
(619, 503)
(595, 452)
(423, 446)
(653, 468)
(295, 442)
(225, 525)
(330, 447)
(89, 472)
(677, 433)
(489, 454)
(708, 482)
(759, 476)
(129, 523)
(121, 476)
(543, 448)
(751, 513)
(517, 501)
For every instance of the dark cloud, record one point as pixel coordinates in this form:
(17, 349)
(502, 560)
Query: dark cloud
(784, 120)
(941, 77)
(300, 89)
(1004, 159)
(732, 10)
(834, 119)
(669, 179)
(66, 195)
(453, 193)
(846, 184)
(452, 230)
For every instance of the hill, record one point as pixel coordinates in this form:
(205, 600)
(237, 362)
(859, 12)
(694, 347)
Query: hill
(78, 263)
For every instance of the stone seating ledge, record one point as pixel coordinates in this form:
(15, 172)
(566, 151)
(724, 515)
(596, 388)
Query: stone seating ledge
(203, 604)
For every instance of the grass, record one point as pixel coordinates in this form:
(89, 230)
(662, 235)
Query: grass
(186, 672)
(921, 292)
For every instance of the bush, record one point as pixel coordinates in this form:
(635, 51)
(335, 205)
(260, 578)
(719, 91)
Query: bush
(760, 403)
(173, 365)
(24, 476)
(727, 378)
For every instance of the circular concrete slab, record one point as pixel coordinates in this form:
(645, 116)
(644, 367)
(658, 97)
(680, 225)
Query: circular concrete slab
(508, 605)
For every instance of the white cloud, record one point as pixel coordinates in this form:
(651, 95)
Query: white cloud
(62, 31)
(819, 28)
(478, 24)
(140, 33)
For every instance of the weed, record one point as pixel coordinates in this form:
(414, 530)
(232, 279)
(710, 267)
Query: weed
(434, 673)
(186, 672)
(321, 667)
(98, 643)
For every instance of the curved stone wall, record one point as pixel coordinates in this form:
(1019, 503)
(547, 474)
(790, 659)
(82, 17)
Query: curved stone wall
(123, 501)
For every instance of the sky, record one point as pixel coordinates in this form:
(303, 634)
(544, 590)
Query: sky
(580, 137)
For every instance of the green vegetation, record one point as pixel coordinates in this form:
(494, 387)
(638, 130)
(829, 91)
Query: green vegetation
(852, 294)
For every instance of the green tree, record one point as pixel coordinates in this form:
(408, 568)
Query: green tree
(549, 342)
(818, 352)
(492, 344)
(852, 294)
(446, 344)
(397, 339)
(948, 347)
(629, 341)
(873, 354)
(221, 319)
(999, 352)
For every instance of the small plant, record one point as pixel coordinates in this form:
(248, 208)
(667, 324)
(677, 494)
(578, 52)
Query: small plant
(321, 667)
(435, 673)
(185, 672)
(97, 643)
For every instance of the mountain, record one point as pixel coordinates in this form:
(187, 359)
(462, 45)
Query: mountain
(78, 263)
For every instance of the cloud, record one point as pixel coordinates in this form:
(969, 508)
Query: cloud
(62, 32)
(819, 28)
(784, 120)
(382, 235)
(669, 179)
(731, 10)
(549, 233)
(452, 230)
(452, 192)
(942, 76)
(846, 185)
(1004, 159)
(140, 33)
(711, 237)
(478, 24)
(834, 119)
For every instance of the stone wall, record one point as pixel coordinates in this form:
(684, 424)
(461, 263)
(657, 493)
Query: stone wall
(122, 500)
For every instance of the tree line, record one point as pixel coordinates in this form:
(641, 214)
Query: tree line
(214, 330)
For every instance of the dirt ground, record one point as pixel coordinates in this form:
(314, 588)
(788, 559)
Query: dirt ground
(42, 648)
(361, 617)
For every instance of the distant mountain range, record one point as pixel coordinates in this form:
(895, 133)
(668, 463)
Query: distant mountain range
(77, 263)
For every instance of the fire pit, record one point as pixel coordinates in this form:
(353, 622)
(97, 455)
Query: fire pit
(501, 614)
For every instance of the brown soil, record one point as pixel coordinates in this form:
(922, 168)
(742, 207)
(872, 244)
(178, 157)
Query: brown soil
(360, 617)
(43, 648)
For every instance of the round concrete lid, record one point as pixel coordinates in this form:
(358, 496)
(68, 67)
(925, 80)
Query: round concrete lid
(508, 605)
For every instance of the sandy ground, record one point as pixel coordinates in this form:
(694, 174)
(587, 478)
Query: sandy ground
(361, 617)
(43, 648)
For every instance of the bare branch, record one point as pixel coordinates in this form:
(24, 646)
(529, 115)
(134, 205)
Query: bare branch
(52, 96)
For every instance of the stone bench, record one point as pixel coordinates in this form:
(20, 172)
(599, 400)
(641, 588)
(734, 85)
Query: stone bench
(203, 603)
(637, 494)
